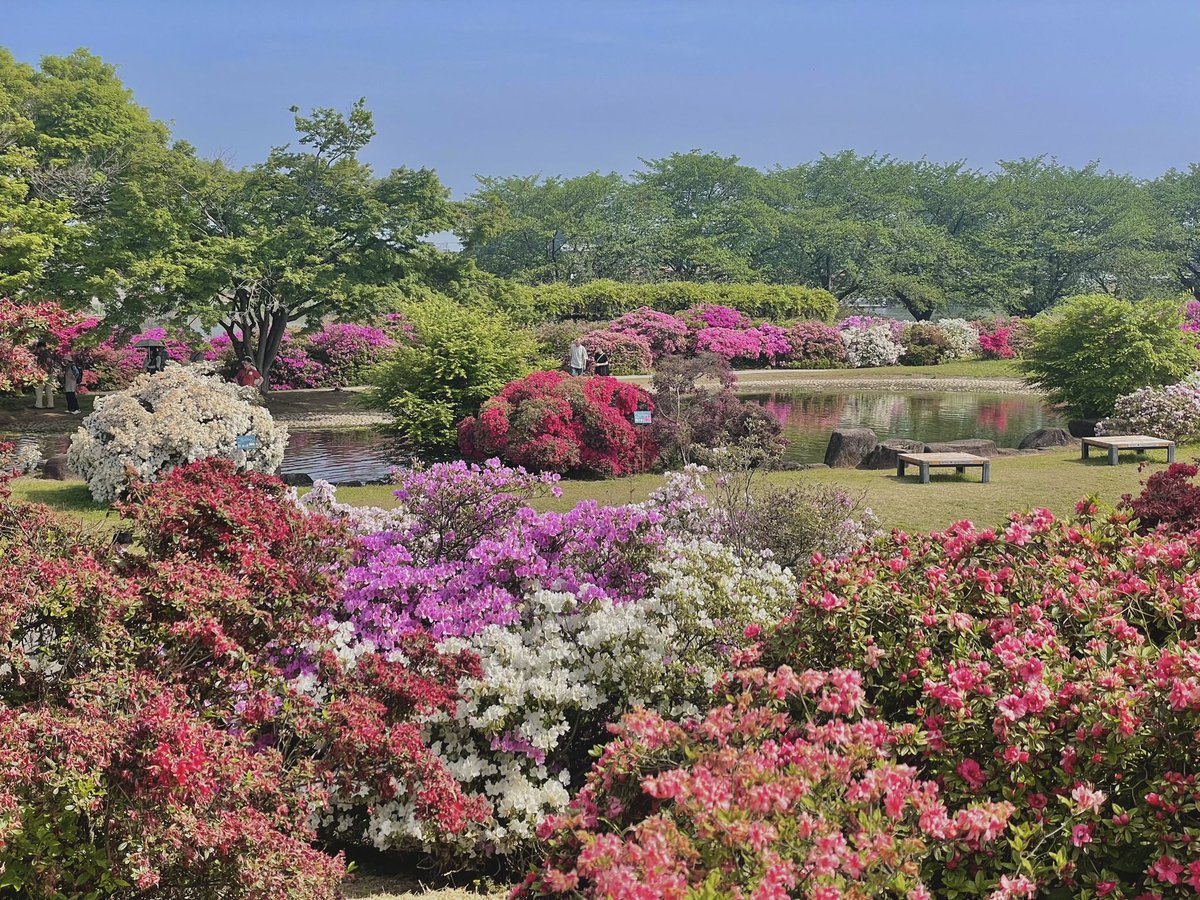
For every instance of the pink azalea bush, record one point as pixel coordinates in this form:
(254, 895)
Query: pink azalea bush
(783, 789)
(735, 346)
(664, 333)
(715, 316)
(628, 354)
(815, 345)
(1050, 664)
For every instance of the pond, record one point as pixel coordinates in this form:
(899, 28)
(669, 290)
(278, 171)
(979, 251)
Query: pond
(809, 417)
(363, 455)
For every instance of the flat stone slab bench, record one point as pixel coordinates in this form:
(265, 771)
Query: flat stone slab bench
(1119, 442)
(960, 462)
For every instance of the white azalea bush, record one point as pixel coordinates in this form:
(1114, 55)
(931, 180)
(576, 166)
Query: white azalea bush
(552, 681)
(962, 338)
(875, 345)
(171, 418)
(1171, 412)
(575, 618)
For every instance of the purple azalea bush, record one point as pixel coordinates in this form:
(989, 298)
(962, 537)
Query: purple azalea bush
(664, 333)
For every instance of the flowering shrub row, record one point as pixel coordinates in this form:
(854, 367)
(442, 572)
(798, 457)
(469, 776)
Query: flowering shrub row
(34, 339)
(576, 618)
(856, 341)
(1033, 703)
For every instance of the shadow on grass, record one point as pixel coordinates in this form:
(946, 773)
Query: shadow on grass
(65, 498)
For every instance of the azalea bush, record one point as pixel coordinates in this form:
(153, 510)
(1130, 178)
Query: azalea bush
(554, 422)
(872, 345)
(815, 345)
(34, 338)
(628, 354)
(178, 716)
(1169, 499)
(783, 789)
(1172, 412)
(615, 607)
(741, 347)
(1048, 664)
(168, 419)
(664, 333)
(962, 338)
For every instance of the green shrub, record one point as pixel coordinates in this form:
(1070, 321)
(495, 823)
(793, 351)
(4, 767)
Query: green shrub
(925, 344)
(602, 299)
(462, 356)
(1095, 348)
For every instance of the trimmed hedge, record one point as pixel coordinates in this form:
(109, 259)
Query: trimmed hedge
(599, 300)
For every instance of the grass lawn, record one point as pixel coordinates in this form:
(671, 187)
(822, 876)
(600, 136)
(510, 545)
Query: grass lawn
(1055, 479)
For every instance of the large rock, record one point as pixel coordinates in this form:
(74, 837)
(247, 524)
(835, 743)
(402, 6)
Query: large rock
(975, 446)
(848, 447)
(1082, 428)
(296, 479)
(55, 468)
(1047, 437)
(884, 454)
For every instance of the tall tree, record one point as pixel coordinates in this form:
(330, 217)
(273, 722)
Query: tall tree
(1177, 196)
(1065, 231)
(307, 234)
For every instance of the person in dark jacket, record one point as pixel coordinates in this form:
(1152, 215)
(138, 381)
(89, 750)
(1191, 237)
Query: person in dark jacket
(601, 359)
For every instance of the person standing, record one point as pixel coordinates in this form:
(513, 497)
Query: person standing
(247, 375)
(577, 357)
(601, 359)
(72, 377)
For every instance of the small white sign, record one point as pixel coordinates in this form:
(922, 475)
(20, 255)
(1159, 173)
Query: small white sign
(641, 417)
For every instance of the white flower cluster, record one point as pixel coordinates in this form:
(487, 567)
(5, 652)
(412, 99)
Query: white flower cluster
(322, 500)
(962, 338)
(171, 418)
(873, 346)
(24, 458)
(550, 683)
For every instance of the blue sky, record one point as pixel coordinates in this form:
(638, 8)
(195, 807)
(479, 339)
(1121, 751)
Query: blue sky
(506, 88)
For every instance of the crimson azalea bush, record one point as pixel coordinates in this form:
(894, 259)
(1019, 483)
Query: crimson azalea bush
(553, 422)
(174, 720)
(1169, 499)
(1053, 665)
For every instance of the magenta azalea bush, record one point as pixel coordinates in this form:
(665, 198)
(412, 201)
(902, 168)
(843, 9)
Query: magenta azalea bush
(815, 345)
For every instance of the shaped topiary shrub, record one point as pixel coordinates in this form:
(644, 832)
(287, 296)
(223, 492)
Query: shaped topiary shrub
(815, 345)
(169, 419)
(628, 354)
(553, 422)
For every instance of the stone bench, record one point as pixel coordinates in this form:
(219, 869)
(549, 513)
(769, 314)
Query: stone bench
(960, 462)
(1119, 442)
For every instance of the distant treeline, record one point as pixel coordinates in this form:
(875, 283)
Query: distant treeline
(921, 234)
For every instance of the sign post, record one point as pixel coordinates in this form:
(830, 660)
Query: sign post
(247, 442)
(641, 417)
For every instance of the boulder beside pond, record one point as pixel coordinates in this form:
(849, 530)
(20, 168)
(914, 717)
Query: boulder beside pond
(55, 468)
(974, 446)
(848, 447)
(1047, 437)
(884, 454)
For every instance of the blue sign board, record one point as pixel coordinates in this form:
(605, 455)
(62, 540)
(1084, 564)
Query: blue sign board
(641, 417)
(247, 442)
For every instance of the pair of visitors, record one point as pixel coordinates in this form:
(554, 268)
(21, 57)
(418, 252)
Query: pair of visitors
(577, 359)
